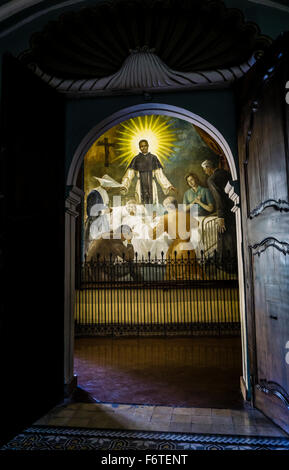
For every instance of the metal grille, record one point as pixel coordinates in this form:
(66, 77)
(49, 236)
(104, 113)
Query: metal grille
(157, 296)
(209, 233)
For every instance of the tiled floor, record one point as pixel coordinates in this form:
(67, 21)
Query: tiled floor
(249, 422)
(201, 372)
(184, 376)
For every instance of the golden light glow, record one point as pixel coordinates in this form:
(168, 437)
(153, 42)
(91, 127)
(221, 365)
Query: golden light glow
(155, 129)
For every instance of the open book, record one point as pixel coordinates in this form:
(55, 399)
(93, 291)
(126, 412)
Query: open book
(107, 182)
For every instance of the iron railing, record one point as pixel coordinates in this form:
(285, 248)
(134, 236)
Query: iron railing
(157, 296)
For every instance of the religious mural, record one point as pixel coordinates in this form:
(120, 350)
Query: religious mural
(154, 187)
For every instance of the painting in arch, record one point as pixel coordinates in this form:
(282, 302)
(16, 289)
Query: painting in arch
(154, 189)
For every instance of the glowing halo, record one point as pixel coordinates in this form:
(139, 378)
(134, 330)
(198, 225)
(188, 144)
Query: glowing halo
(157, 130)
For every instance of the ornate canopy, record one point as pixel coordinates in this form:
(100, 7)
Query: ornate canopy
(145, 45)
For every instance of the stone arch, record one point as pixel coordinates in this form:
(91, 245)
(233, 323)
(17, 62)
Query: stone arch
(74, 195)
(141, 110)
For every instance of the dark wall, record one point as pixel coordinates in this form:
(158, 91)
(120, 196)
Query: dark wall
(216, 106)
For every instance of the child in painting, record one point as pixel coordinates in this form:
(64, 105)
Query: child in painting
(198, 196)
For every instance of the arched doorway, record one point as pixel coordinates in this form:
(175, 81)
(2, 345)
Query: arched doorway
(74, 197)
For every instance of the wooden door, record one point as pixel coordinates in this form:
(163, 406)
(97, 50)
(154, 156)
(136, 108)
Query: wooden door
(263, 159)
(31, 336)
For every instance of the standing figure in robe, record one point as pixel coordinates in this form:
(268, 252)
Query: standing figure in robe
(218, 178)
(147, 168)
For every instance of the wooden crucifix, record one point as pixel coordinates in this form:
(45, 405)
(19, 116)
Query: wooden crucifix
(106, 144)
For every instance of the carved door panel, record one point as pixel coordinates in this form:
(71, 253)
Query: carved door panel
(263, 154)
(31, 323)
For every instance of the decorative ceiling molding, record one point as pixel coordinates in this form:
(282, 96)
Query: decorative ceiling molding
(187, 36)
(145, 45)
(143, 71)
(42, 10)
(11, 8)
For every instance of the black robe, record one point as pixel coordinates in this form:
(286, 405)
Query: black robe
(227, 246)
(145, 165)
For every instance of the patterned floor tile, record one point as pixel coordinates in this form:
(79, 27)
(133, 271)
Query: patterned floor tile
(52, 438)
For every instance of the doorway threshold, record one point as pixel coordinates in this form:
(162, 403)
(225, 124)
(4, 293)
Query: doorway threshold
(211, 421)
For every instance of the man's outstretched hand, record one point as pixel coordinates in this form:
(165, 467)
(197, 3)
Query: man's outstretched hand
(221, 225)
